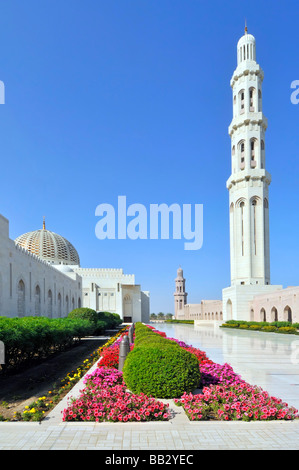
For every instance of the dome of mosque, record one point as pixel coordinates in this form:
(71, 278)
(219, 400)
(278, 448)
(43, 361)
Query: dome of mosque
(49, 246)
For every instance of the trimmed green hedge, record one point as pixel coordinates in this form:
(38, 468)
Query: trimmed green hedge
(189, 322)
(273, 327)
(159, 367)
(30, 338)
(36, 337)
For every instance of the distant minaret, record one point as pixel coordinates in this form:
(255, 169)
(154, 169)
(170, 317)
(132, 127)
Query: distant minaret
(180, 296)
(249, 181)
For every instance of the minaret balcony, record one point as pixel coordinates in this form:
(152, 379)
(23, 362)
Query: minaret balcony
(246, 119)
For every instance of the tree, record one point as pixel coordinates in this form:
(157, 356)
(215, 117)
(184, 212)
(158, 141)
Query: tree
(161, 316)
(153, 316)
(169, 316)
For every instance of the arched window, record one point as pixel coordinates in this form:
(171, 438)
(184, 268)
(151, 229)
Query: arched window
(241, 205)
(241, 151)
(253, 153)
(229, 310)
(287, 314)
(50, 303)
(263, 314)
(59, 304)
(252, 95)
(37, 301)
(242, 101)
(67, 304)
(262, 154)
(274, 314)
(254, 203)
(21, 298)
(260, 100)
(79, 302)
(128, 309)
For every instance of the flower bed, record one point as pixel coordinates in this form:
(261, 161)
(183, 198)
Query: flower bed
(38, 409)
(105, 398)
(224, 395)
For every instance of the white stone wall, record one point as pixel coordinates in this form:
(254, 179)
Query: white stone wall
(236, 300)
(206, 310)
(113, 291)
(30, 286)
(276, 306)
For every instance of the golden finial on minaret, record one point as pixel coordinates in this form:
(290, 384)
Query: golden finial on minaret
(44, 223)
(246, 27)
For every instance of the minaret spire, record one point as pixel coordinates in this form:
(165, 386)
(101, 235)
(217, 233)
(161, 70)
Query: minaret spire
(44, 223)
(248, 188)
(249, 181)
(246, 30)
(180, 295)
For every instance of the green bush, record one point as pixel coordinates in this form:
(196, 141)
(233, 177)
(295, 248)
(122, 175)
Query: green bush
(37, 337)
(112, 320)
(254, 327)
(287, 330)
(243, 326)
(269, 328)
(158, 366)
(188, 322)
(161, 372)
(157, 340)
(84, 313)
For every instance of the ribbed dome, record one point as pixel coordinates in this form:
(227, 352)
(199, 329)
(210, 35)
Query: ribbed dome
(49, 246)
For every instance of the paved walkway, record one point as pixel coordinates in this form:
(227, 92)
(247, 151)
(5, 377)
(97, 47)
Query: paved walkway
(178, 434)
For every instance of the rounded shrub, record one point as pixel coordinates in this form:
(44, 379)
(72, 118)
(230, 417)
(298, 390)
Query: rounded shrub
(112, 320)
(84, 313)
(161, 372)
(156, 340)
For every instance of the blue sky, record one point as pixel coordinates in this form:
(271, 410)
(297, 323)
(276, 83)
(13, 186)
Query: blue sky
(132, 97)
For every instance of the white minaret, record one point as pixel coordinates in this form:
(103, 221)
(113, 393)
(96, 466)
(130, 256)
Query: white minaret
(248, 186)
(180, 295)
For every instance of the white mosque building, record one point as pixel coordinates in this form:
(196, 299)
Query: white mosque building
(251, 296)
(40, 275)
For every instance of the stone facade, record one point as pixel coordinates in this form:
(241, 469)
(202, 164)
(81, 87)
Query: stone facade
(29, 286)
(46, 285)
(111, 290)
